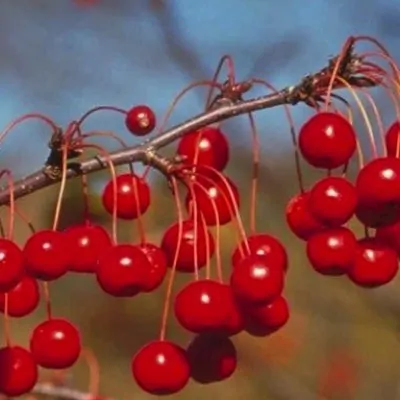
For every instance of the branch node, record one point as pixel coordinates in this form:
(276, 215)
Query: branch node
(165, 165)
(53, 165)
(231, 94)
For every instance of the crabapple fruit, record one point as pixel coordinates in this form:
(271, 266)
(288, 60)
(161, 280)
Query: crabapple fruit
(254, 280)
(140, 120)
(132, 197)
(22, 298)
(161, 368)
(212, 358)
(11, 265)
(19, 371)
(207, 146)
(333, 251)
(55, 344)
(376, 264)
(327, 140)
(46, 255)
(300, 219)
(196, 245)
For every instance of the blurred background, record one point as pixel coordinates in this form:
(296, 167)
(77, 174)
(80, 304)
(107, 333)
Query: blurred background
(61, 58)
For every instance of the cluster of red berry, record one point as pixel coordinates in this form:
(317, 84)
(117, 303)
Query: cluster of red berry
(212, 309)
(320, 216)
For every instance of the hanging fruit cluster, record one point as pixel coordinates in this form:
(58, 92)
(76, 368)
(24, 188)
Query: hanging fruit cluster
(320, 216)
(213, 305)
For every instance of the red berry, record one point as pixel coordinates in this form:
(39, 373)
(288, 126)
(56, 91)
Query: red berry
(215, 196)
(327, 140)
(390, 235)
(188, 244)
(140, 120)
(11, 265)
(132, 197)
(161, 368)
(265, 319)
(202, 306)
(55, 344)
(299, 218)
(207, 146)
(158, 267)
(333, 201)
(234, 323)
(87, 243)
(122, 270)
(378, 182)
(392, 140)
(375, 264)
(332, 252)
(212, 358)
(46, 255)
(19, 371)
(378, 215)
(264, 245)
(22, 298)
(254, 280)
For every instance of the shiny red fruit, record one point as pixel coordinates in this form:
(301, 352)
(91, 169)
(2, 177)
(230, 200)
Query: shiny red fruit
(11, 265)
(140, 120)
(378, 182)
(46, 255)
(327, 140)
(392, 140)
(87, 244)
(332, 252)
(390, 235)
(22, 298)
(262, 244)
(19, 371)
(132, 196)
(155, 275)
(376, 264)
(378, 191)
(161, 368)
(55, 344)
(378, 215)
(207, 146)
(267, 318)
(234, 323)
(122, 270)
(299, 218)
(254, 280)
(189, 240)
(202, 306)
(216, 196)
(212, 358)
(333, 201)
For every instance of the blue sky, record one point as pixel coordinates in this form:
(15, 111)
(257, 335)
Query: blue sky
(61, 59)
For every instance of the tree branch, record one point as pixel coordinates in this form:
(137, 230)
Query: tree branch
(39, 179)
(310, 91)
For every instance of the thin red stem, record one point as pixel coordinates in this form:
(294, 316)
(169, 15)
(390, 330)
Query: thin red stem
(100, 108)
(349, 42)
(255, 174)
(23, 118)
(226, 59)
(168, 295)
(293, 135)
